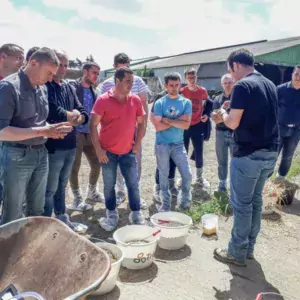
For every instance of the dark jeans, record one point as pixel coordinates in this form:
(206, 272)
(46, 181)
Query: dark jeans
(23, 176)
(195, 133)
(60, 166)
(248, 175)
(289, 139)
(129, 169)
(172, 171)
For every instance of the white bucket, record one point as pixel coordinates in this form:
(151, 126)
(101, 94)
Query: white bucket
(210, 224)
(172, 238)
(269, 204)
(110, 282)
(136, 256)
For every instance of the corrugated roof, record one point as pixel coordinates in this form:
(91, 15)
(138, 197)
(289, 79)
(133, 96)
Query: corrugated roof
(219, 54)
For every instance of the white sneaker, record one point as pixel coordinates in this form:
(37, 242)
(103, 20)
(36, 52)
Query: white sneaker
(111, 221)
(78, 202)
(162, 208)
(137, 218)
(93, 194)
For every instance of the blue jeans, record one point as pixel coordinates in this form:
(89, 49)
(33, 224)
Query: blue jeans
(178, 153)
(224, 142)
(248, 175)
(129, 169)
(23, 176)
(60, 167)
(289, 140)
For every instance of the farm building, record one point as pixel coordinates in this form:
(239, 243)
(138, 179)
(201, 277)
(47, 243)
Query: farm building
(274, 59)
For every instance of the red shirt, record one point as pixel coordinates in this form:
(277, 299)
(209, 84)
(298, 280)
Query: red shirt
(1, 78)
(196, 97)
(118, 121)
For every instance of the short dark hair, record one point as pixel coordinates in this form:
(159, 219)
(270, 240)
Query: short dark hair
(30, 52)
(172, 76)
(121, 58)
(241, 56)
(295, 68)
(190, 71)
(120, 73)
(89, 64)
(10, 49)
(45, 55)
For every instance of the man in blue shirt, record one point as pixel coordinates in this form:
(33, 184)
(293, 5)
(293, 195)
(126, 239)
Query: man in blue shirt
(87, 97)
(289, 120)
(172, 115)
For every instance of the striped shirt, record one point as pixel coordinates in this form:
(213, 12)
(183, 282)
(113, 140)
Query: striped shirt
(139, 86)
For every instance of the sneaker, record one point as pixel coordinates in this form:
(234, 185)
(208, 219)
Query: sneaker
(222, 255)
(78, 202)
(120, 198)
(143, 204)
(222, 187)
(111, 221)
(250, 256)
(93, 194)
(172, 187)
(137, 218)
(162, 208)
(65, 219)
(182, 208)
(179, 182)
(156, 193)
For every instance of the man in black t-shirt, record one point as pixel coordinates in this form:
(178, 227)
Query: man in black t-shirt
(224, 138)
(253, 117)
(172, 169)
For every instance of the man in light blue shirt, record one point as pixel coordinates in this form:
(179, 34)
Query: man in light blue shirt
(172, 115)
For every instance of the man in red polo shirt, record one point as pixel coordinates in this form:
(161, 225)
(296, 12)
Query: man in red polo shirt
(198, 95)
(118, 111)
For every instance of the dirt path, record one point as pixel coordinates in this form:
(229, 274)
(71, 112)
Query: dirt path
(193, 273)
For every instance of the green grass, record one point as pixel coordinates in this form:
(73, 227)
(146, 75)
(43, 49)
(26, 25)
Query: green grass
(295, 168)
(217, 205)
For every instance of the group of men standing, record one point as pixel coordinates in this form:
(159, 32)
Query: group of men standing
(47, 123)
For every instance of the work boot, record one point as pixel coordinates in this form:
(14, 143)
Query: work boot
(78, 202)
(93, 194)
(200, 180)
(137, 218)
(156, 193)
(172, 187)
(222, 255)
(111, 221)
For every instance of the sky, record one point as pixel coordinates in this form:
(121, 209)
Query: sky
(143, 28)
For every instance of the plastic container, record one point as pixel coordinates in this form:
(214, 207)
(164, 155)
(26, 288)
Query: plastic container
(269, 205)
(110, 282)
(210, 224)
(172, 238)
(139, 256)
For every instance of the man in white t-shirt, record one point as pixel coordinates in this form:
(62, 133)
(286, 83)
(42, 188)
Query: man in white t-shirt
(140, 89)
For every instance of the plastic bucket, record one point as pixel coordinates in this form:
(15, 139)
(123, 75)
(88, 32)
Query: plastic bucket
(110, 282)
(210, 224)
(136, 256)
(172, 238)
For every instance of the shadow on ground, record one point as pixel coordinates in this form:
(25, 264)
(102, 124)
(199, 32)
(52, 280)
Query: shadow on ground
(162, 255)
(113, 295)
(294, 208)
(247, 283)
(127, 276)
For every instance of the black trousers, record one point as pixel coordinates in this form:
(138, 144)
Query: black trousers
(171, 171)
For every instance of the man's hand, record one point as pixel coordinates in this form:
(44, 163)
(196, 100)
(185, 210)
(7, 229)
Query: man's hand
(136, 148)
(79, 120)
(204, 118)
(55, 131)
(217, 117)
(226, 104)
(102, 157)
(72, 115)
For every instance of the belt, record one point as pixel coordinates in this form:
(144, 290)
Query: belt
(22, 146)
